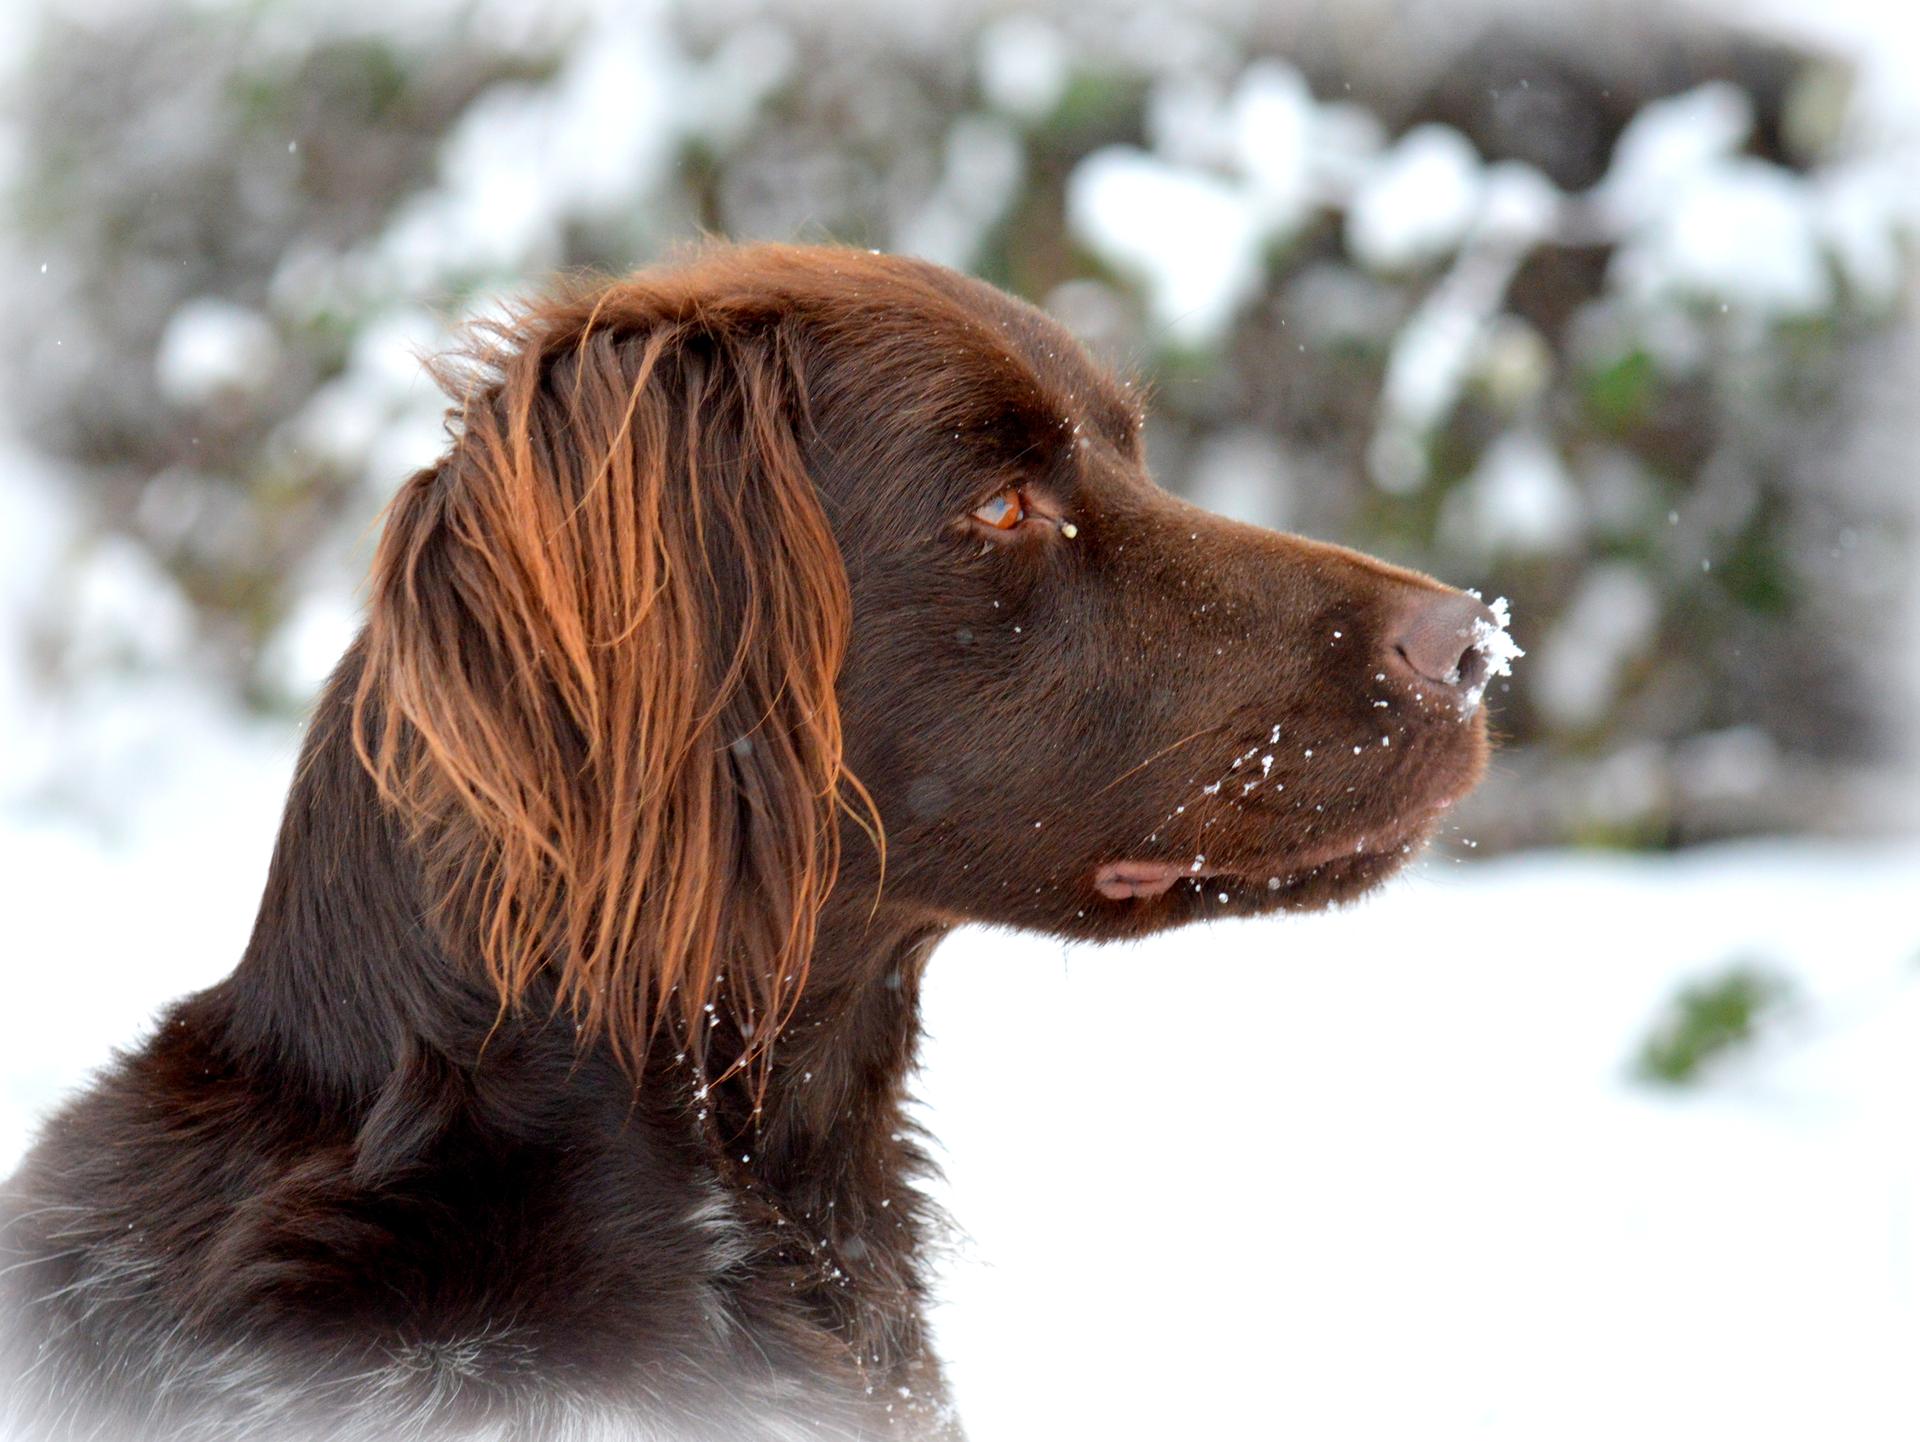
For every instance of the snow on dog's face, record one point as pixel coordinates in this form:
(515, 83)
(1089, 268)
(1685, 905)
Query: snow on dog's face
(1079, 703)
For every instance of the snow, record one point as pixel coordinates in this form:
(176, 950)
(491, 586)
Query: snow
(1612, 619)
(1242, 472)
(1234, 171)
(1418, 204)
(1519, 205)
(124, 608)
(36, 534)
(1520, 496)
(1879, 40)
(382, 416)
(1669, 146)
(1457, 322)
(751, 64)
(984, 165)
(1187, 121)
(1745, 232)
(140, 891)
(1359, 1176)
(1192, 239)
(1864, 211)
(1271, 120)
(1701, 222)
(1347, 140)
(1229, 176)
(311, 641)
(211, 347)
(1431, 359)
(526, 160)
(1024, 65)
(1493, 641)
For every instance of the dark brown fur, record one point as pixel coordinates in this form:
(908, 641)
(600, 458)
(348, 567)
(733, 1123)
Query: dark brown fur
(560, 1090)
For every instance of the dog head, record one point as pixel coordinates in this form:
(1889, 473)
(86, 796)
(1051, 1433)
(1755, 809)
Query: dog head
(736, 567)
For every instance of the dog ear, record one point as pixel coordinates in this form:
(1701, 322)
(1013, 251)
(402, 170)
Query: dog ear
(601, 654)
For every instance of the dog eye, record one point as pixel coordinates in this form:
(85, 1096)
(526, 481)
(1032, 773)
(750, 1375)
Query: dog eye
(1004, 511)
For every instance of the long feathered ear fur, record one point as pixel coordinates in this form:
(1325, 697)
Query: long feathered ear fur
(600, 664)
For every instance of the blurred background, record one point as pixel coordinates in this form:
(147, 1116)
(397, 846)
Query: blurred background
(1604, 308)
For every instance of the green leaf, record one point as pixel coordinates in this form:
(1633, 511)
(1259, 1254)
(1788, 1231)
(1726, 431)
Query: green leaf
(1708, 1020)
(1618, 395)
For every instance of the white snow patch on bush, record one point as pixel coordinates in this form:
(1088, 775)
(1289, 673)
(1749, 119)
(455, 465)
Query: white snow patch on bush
(727, 92)
(1191, 239)
(1347, 141)
(985, 163)
(1867, 214)
(525, 159)
(1242, 473)
(1417, 204)
(1271, 121)
(1023, 63)
(1188, 121)
(1743, 233)
(1610, 621)
(310, 642)
(413, 439)
(1668, 146)
(1431, 358)
(340, 421)
(1700, 222)
(213, 347)
(1518, 205)
(37, 532)
(1514, 364)
(382, 415)
(125, 609)
(1519, 496)
(391, 350)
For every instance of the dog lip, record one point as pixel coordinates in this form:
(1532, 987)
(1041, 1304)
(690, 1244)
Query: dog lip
(1127, 880)
(1123, 880)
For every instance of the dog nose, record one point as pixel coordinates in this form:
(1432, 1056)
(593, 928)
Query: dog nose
(1437, 638)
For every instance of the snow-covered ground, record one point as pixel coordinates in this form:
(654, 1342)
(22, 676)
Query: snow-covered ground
(1384, 1173)
(1376, 1174)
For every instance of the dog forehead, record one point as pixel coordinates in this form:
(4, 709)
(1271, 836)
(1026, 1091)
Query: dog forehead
(925, 342)
(1037, 355)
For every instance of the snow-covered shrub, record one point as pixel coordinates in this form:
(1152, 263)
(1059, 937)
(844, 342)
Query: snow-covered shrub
(1611, 323)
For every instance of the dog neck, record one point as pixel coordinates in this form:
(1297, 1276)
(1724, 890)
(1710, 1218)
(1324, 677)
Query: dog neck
(830, 1131)
(827, 1157)
(345, 988)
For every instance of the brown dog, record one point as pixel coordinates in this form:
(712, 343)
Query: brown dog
(768, 616)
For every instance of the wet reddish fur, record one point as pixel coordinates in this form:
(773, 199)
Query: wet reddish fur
(581, 1005)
